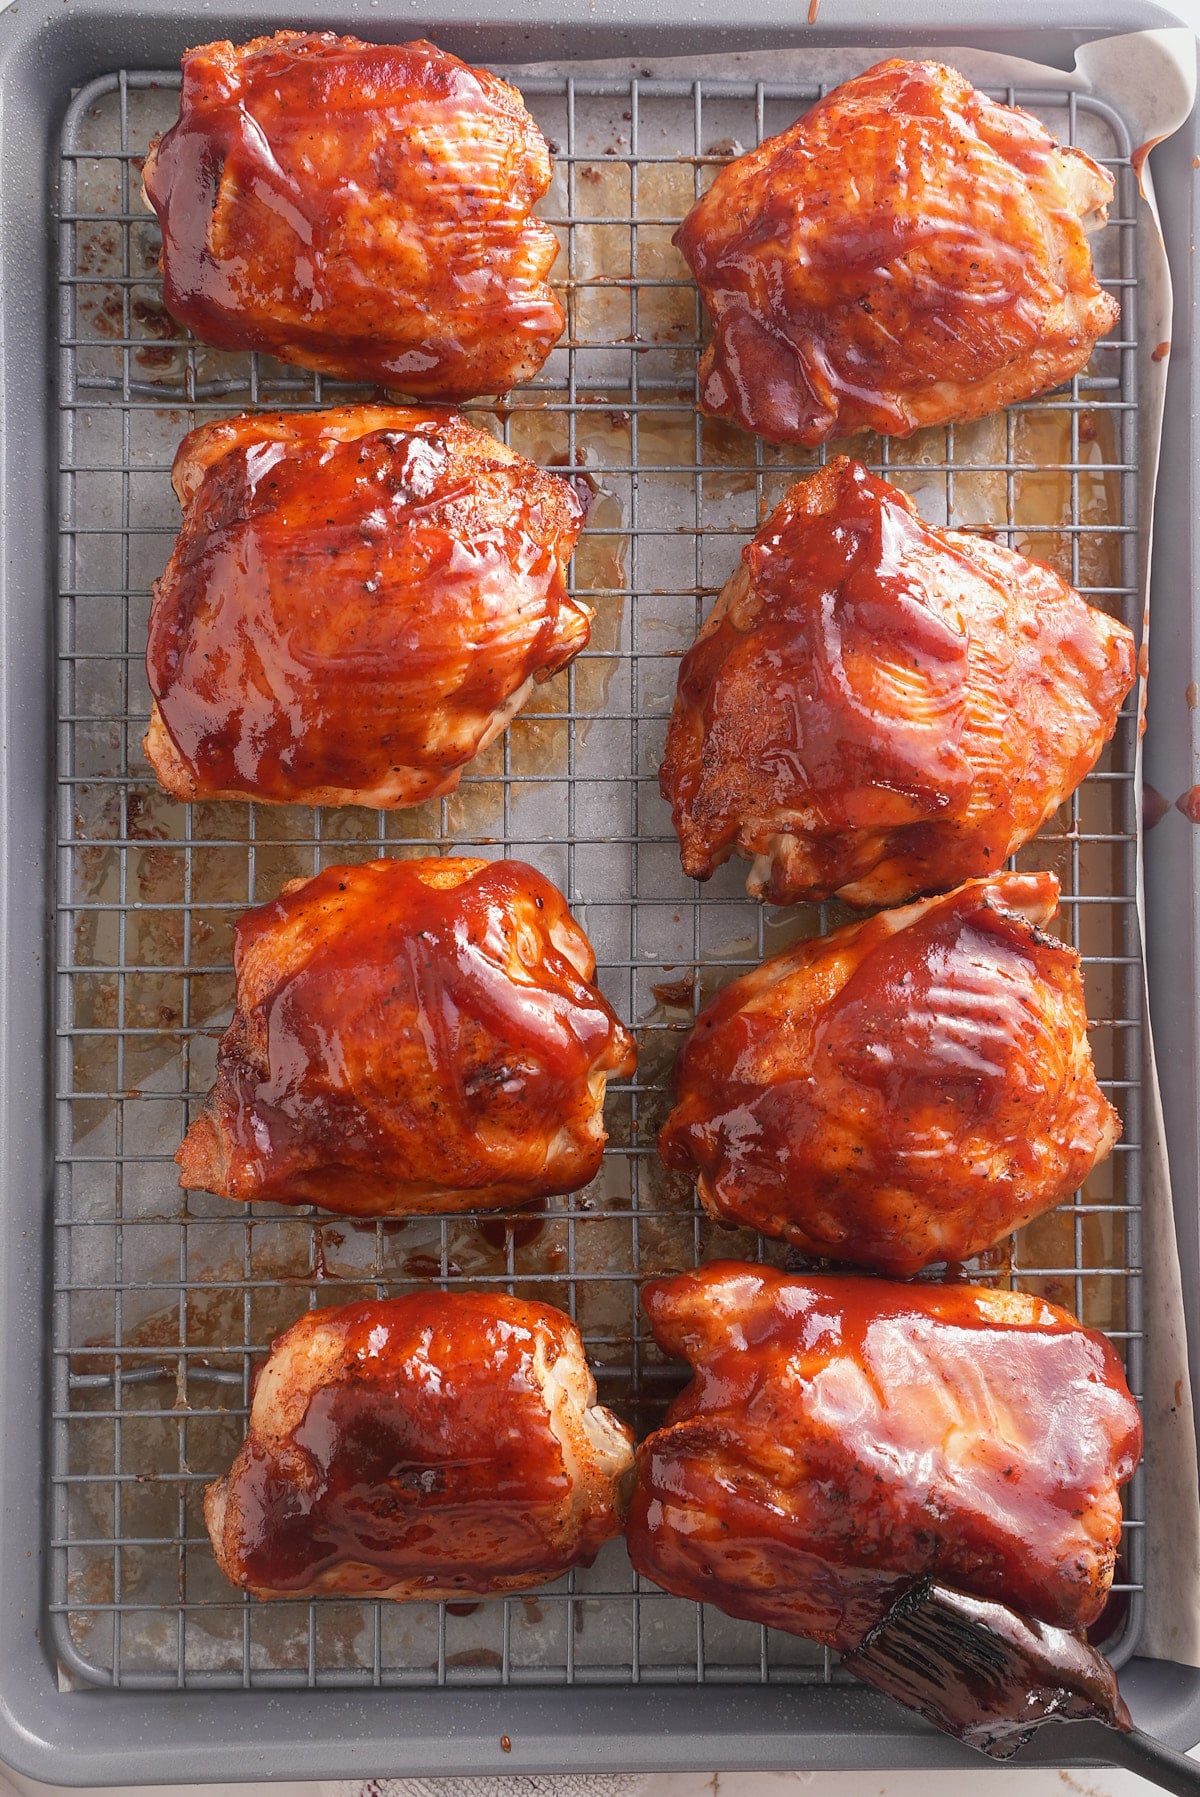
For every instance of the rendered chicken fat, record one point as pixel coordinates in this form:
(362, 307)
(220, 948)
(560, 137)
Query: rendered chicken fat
(908, 252)
(421, 1447)
(905, 1090)
(843, 1438)
(358, 602)
(876, 708)
(361, 209)
(410, 1036)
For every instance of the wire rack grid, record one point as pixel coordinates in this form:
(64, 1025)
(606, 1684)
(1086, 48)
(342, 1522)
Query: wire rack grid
(164, 1302)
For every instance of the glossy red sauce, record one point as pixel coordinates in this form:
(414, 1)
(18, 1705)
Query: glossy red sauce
(840, 599)
(899, 256)
(845, 1436)
(363, 209)
(336, 613)
(402, 1050)
(894, 1098)
(985, 1674)
(1189, 803)
(878, 708)
(430, 1455)
(948, 1026)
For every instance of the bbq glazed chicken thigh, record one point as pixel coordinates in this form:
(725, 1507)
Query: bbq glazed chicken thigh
(358, 602)
(844, 1438)
(361, 209)
(431, 1446)
(876, 708)
(410, 1036)
(909, 252)
(903, 1091)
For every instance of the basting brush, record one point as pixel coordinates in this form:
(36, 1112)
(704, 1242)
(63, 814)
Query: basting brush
(990, 1677)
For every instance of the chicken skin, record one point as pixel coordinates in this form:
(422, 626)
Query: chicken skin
(876, 708)
(410, 1036)
(427, 1446)
(903, 1091)
(361, 209)
(909, 252)
(844, 1438)
(358, 602)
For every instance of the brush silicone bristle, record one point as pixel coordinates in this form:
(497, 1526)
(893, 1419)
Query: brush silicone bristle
(983, 1673)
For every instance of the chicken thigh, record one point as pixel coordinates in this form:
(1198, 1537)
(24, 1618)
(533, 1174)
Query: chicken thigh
(843, 1438)
(876, 708)
(361, 209)
(903, 1091)
(436, 1445)
(908, 252)
(358, 602)
(410, 1036)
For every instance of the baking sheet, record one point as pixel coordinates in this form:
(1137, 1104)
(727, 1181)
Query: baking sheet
(178, 1296)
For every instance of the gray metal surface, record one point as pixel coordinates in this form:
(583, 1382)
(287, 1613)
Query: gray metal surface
(148, 1384)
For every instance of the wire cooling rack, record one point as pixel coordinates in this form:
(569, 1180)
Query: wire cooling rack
(164, 1301)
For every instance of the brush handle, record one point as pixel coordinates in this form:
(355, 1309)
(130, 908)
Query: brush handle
(1164, 1767)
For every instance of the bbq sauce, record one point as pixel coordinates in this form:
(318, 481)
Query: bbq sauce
(428, 1455)
(407, 1043)
(832, 597)
(887, 263)
(344, 614)
(843, 1437)
(520, 1227)
(868, 691)
(895, 1097)
(362, 209)
(984, 1673)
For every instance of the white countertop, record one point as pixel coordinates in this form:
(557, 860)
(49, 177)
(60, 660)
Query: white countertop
(1040, 1783)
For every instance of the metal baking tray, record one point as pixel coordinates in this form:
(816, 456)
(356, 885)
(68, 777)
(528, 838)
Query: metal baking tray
(131, 1315)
